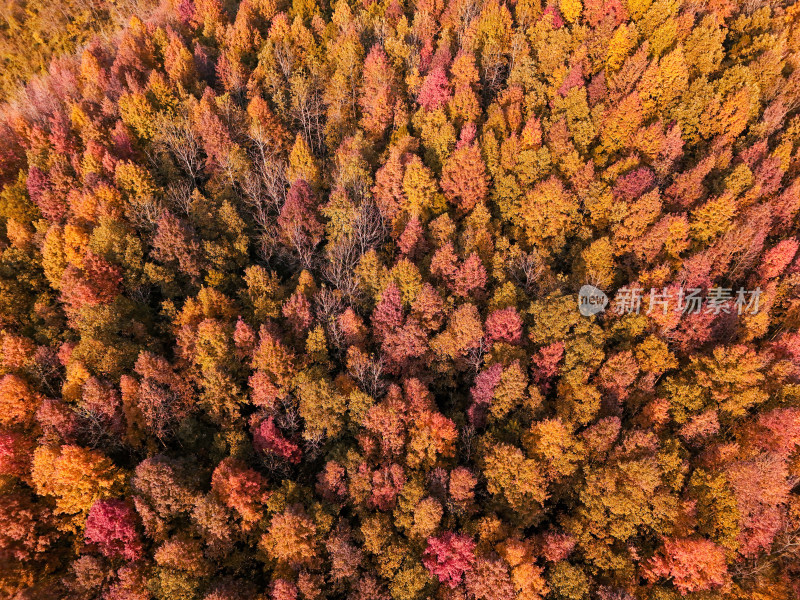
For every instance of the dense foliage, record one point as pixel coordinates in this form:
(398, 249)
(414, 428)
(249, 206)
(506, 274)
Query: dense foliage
(288, 305)
(34, 32)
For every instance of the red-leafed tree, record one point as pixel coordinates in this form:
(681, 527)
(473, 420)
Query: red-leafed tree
(448, 557)
(162, 396)
(175, 243)
(489, 579)
(111, 524)
(482, 393)
(556, 546)
(283, 590)
(299, 226)
(388, 313)
(386, 485)
(268, 438)
(778, 258)
(691, 564)
(504, 325)
(403, 345)
(297, 311)
(470, 277)
(99, 282)
(435, 91)
(16, 451)
(240, 488)
(331, 482)
(545, 364)
(411, 241)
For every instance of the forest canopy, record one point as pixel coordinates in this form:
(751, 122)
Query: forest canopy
(34, 33)
(400, 300)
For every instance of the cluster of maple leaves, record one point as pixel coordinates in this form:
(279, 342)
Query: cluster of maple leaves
(288, 304)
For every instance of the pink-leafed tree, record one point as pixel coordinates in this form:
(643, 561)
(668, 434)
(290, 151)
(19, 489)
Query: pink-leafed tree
(435, 91)
(692, 565)
(268, 438)
(504, 325)
(448, 557)
(111, 525)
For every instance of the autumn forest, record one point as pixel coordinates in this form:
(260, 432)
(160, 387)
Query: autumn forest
(400, 300)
